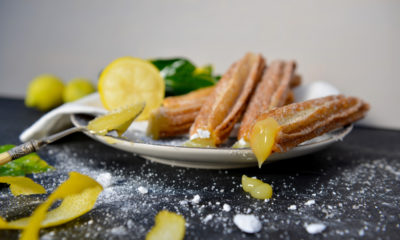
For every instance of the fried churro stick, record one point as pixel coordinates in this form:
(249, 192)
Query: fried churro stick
(296, 81)
(193, 99)
(177, 114)
(225, 105)
(290, 125)
(272, 91)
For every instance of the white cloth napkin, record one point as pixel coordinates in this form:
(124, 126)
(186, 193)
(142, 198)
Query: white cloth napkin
(59, 118)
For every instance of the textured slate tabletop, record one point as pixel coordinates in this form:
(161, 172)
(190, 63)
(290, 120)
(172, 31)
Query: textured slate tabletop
(352, 188)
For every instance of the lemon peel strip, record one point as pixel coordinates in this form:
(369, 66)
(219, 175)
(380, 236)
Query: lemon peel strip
(78, 194)
(168, 226)
(22, 185)
(118, 120)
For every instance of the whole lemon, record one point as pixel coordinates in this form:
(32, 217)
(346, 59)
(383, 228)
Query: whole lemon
(44, 92)
(77, 88)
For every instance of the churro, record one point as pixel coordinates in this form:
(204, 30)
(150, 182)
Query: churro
(272, 91)
(295, 123)
(225, 106)
(177, 114)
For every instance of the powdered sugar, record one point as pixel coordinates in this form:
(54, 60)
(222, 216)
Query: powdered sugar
(292, 207)
(309, 202)
(143, 190)
(352, 199)
(247, 223)
(315, 228)
(200, 133)
(196, 199)
(104, 179)
(226, 207)
(207, 218)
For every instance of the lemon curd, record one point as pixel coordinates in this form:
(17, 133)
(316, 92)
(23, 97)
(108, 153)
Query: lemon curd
(257, 188)
(200, 142)
(262, 138)
(202, 138)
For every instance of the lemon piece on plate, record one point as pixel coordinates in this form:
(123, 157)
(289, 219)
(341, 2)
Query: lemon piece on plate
(118, 120)
(127, 81)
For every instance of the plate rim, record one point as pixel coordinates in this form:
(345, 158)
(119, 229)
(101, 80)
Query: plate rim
(242, 156)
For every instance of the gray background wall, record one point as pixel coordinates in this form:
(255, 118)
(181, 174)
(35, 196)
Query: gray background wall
(353, 44)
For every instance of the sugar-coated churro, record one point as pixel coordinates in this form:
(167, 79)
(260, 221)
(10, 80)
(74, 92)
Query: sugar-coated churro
(224, 107)
(295, 123)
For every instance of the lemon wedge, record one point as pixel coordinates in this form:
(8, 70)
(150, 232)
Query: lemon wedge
(127, 81)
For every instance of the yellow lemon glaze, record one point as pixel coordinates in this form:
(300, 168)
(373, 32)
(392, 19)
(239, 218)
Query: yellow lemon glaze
(262, 138)
(257, 188)
(200, 142)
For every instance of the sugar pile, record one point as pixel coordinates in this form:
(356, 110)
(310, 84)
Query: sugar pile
(247, 223)
(292, 207)
(143, 190)
(309, 202)
(314, 228)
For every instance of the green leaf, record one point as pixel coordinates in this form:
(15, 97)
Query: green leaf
(162, 63)
(28, 164)
(181, 75)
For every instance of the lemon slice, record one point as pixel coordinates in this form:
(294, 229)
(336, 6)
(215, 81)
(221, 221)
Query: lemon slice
(127, 81)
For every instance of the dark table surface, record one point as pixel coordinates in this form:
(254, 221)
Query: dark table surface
(355, 184)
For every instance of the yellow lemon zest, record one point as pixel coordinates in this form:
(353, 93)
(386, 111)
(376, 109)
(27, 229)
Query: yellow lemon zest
(78, 194)
(118, 120)
(22, 185)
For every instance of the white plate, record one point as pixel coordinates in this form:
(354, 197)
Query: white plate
(171, 152)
